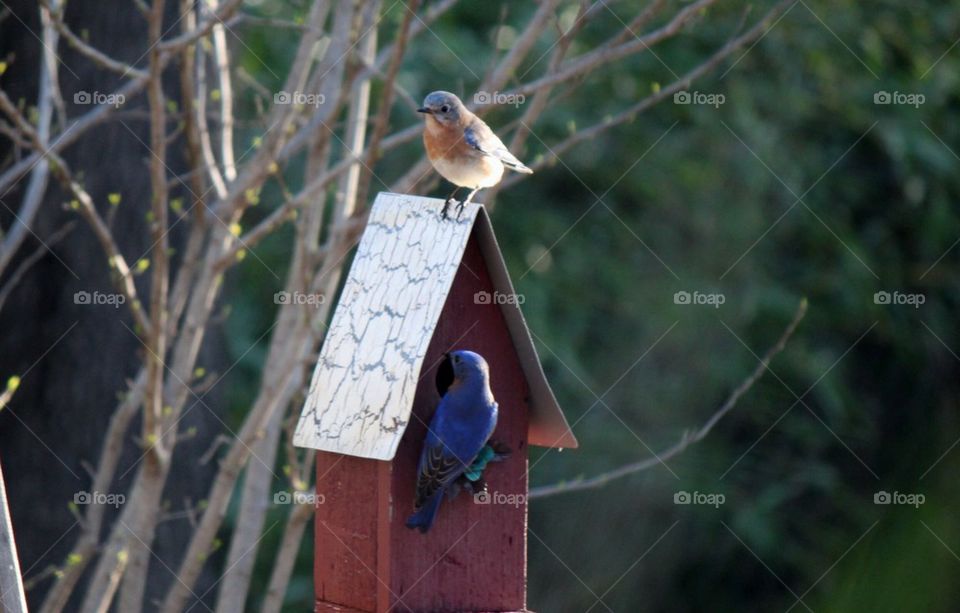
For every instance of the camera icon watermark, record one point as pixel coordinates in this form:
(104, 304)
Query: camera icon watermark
(299, 298)
(898, 298)
(899, 98)
(485, 297)
(83, 97)
(699, 298)
(699, 98)
(299, 98)
(513, 500)
(483, 98)
(97, 298)
(82, 498)
(297, 497)
(913, 500)
(699, 498)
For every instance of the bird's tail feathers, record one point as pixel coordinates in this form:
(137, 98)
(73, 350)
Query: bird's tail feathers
(423, 518)
(518, 167)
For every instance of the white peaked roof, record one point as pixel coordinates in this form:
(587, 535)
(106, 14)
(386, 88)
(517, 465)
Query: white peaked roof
(362, 391)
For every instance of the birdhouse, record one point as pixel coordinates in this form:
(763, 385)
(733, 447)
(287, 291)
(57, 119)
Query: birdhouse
(420, 287)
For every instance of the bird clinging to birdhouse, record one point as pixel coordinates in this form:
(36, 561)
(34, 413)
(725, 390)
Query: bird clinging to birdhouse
(462, 148)
(405, 305)
(458, 431)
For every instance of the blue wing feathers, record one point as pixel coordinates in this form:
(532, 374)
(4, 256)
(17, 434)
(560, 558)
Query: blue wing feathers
(450, 448)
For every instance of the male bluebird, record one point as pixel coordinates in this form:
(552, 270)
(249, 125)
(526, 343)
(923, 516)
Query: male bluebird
(458, 432)
(462, 148)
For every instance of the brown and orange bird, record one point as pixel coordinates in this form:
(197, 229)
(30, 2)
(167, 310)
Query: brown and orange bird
(462, 148)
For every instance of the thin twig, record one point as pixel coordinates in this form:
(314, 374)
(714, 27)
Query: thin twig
(290, 542)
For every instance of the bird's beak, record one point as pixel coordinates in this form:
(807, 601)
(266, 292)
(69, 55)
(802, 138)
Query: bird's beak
(424, 109)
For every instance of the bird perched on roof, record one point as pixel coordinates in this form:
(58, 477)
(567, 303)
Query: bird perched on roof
(458, 432)
(462, 148)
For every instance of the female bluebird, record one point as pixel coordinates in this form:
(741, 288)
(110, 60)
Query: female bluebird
(460, 428)
(462, 148)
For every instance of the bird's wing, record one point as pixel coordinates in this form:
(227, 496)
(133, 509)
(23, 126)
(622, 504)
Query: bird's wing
(447, 453)
(438, 468)
(480, 137)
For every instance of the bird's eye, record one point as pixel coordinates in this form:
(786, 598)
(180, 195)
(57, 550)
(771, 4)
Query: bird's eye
(445, 109)
(456, 359)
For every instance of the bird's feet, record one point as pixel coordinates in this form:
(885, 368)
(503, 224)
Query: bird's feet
(461, 204)
(500, 450)
(445, 211)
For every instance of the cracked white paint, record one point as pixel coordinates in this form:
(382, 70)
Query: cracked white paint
(361, 394)
(362, 390)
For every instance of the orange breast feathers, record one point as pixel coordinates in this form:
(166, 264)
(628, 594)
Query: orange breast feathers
(443, 142)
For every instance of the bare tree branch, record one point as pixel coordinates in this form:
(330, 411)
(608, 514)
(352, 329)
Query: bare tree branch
(290, 544)
(222, 58)
(157, 461)
(203, 129)
(85, 205)
(37, 186)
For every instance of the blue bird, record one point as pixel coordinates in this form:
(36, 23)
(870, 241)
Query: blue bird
(458, 432)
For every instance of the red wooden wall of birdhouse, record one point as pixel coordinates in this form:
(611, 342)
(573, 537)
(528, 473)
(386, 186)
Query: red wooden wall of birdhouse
(475, 556)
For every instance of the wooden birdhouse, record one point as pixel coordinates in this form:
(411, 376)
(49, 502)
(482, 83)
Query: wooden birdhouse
(419, 287)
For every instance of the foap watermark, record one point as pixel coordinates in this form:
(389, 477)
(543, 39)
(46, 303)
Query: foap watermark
(298, 497)
(485, 497)
(97, 298)
(485, 297)
(699, 98)
(101, 498)
(299, 98)
(899, 298)
(700, 498)
(899, 98)
(913, 500)
(86, 98)
(699, 298)
(299, 298)
(484, 98)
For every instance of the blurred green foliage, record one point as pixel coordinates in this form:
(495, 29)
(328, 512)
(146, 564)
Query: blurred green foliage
(798, 185)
